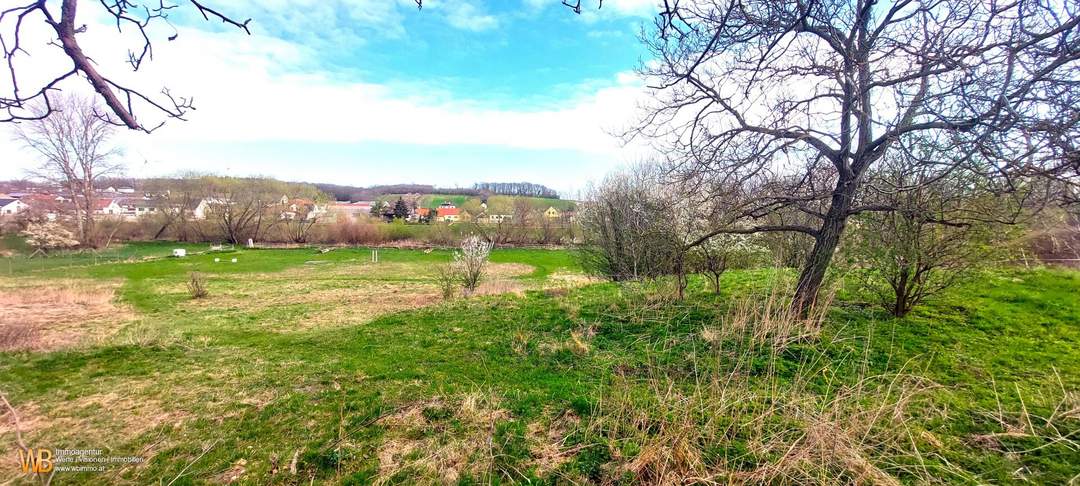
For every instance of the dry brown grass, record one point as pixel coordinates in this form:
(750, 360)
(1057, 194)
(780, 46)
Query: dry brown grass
(548, 441)
(857, 434)
(1059, 424)
(40, 315)
(343, 294)
(105, 420)
(420, 446)
(770, 320)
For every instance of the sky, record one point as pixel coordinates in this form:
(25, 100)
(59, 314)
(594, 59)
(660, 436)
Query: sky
(365, 92)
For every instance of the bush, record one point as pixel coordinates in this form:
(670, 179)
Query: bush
(353, 232)
(197, 286)
(447, 278)
(49, 236)
(938, 231)
(629, 228)
(471, 260)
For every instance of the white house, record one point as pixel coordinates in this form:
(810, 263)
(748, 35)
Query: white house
(204, 206)
(12, 206)
(108, 207)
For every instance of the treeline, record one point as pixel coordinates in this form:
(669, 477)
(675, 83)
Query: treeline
(370, 193)
(526, 189)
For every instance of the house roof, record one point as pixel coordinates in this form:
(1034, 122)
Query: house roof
(423, 211)
(102, 203)
(136, 202)
(6, 201)
(449, 212)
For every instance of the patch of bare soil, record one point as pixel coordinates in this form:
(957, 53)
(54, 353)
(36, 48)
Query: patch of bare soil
(42, 316)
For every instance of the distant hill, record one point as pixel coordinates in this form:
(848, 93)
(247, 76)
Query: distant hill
(496, 204)
(382, 192)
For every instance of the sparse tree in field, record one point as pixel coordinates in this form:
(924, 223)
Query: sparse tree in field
(471, 261)
(943, 229)
(726, 252)
(795, 102)
(74, 145)
(298, 226)
(47, 236)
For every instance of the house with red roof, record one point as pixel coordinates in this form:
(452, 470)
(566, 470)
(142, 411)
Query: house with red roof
(107, 207)
(447, 214)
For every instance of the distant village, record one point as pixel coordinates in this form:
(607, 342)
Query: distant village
(126, 203)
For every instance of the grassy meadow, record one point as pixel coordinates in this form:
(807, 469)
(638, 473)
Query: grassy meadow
(302, 367)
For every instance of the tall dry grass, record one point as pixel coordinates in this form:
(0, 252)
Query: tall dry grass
(741, 418)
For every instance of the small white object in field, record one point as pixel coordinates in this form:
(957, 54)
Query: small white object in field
(251, 243)
(179, 252)
(234, 260)
(217, 260)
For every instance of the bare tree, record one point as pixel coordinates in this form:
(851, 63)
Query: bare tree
(175, 199)
(516, 189)
(941, 230)
(243, 208)
(301, 216)
(74, 146)
(795, 101)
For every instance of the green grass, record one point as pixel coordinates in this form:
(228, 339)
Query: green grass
(23, 261)
(250, 378)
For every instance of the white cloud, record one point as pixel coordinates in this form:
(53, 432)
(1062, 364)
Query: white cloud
(467, 16)
(251, 89)
(592, 10)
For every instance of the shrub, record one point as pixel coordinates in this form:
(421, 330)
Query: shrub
(937, 231)
(49, 236)
(471, 260)
(628, 228)
(440, 234)
(197, 286)
(447, 278)
(350, 231)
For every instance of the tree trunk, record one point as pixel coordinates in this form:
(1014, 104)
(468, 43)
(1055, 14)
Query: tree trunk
(825, 243)
(88, 217)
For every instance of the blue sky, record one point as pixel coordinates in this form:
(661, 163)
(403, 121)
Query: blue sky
(375, 91)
